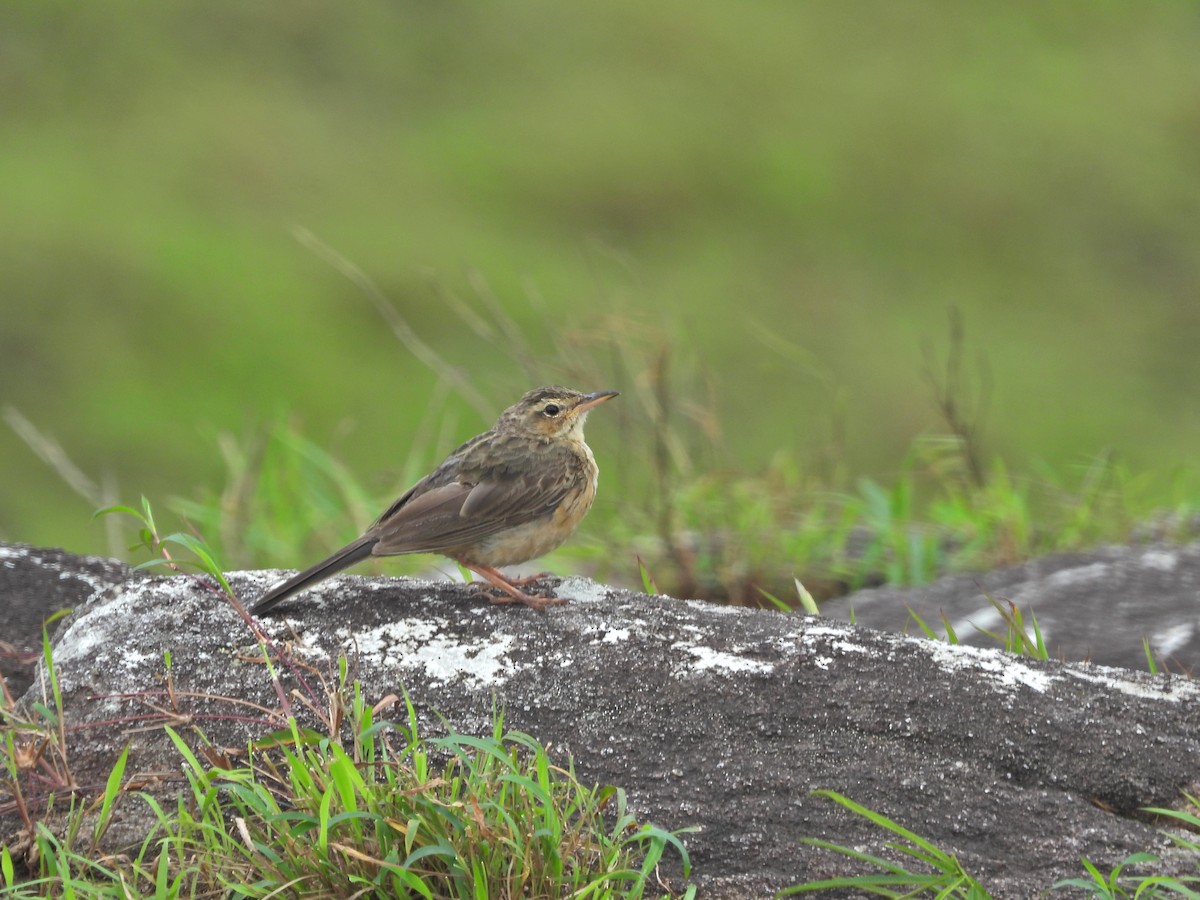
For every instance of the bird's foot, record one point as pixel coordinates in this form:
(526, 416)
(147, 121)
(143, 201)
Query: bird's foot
(523, 581)
(533, 601)
(526, 580)
(511, 589)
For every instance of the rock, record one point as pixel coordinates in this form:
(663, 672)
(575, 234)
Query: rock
(35, 583)
(1096, 605)
(717, 717)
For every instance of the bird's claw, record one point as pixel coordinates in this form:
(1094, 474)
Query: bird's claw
(533, 602)
(523, 581)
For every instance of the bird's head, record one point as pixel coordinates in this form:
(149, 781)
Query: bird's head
(551, 412)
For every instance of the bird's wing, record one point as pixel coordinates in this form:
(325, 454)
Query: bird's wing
(466, 510)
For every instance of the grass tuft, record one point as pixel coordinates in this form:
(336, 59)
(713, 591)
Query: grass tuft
(368, 809)
(946, 878)
(938, 873)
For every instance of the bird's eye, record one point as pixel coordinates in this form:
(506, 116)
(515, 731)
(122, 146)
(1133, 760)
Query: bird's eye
(550, 410)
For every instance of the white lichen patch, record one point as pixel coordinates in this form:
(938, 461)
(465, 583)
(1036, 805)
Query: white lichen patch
(422, 644)
(834, 630)
(1079, 575)
(581, 590)
(1006, 671)
(1159, 688)
(837, 637)
(718, 608)
(1163, 560)
(706, 658)
(1167, 641)
(90, 641)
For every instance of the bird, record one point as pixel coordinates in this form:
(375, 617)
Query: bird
(504, 497)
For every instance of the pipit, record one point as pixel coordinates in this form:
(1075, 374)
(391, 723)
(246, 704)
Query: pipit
(504, 497)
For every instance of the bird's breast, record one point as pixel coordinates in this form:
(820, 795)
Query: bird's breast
(537, 538)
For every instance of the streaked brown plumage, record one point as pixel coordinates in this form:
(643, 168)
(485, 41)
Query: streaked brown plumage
(506, 496)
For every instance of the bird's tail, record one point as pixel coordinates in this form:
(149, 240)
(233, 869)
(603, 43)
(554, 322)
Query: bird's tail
(347, 556)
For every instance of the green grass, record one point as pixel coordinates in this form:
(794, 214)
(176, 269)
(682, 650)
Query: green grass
(715, 533)
(364, 808)
(916, 867)
(946, 878)
(1020, 638)
(670, 512)
(697, 531)
(750, 221)
(370, 808)
(722, 535)
(834, 178)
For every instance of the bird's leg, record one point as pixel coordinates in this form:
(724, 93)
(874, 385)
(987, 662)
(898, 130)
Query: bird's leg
(516, 582)
(525, 580)
(514, 593)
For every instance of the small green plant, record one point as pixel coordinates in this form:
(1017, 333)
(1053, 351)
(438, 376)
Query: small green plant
(1186, 819)
(945, 877)
(949, 634)
(804, 600)
(383, 818)
(160, 545)
(1119, 883)
(1151, 663)
(1020, 638)
(365, 808)
(648, 585)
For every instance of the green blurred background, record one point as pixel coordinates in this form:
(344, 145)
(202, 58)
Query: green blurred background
(789, 197)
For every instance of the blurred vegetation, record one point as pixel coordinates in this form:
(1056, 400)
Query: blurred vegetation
(765, 210)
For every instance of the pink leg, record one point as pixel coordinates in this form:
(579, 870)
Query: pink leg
(514, 593)
(527, 579)
(518, 582)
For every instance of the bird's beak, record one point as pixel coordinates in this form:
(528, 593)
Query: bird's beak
(593, 400)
